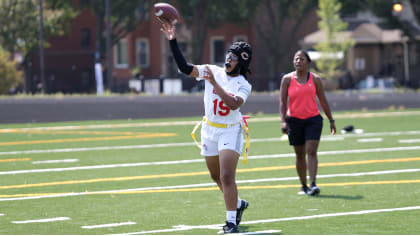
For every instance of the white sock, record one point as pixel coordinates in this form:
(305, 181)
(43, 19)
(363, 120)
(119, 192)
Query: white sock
(231, 217)
(238, 204)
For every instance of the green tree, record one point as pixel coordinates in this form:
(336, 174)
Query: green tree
(125, 16)
(332, 26)
(383, 10)
(277, 24)
(10, 77)
(416, 9)
(19, 31)
(199, 15)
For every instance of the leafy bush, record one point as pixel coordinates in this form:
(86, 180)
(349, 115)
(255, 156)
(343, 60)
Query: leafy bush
(10, 76)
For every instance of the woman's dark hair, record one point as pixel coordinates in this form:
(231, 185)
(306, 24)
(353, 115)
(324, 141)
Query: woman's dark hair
(306, 55)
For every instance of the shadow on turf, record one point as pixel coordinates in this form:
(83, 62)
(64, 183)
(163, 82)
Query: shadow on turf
(357, 197)
(246, 229)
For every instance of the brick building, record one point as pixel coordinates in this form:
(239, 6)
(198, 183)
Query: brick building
(69, 60)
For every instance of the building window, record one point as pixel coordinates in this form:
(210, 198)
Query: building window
(412, 54)
(121, 54)
(217, 49)
(85, 38)
(359, 64)
(142, 52)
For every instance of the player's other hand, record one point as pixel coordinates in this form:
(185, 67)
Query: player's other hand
(208, 75)
(333, 129)
(168, 30)
(284, 128)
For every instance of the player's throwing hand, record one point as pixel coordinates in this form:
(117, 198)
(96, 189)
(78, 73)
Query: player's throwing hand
(168, 30)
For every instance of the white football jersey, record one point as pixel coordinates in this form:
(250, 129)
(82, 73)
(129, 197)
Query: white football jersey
(215, 109)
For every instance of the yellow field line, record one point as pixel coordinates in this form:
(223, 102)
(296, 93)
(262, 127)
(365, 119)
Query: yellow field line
(201, 173)
(70, 132)
(14, 160)
(147, 135)
(216, 188)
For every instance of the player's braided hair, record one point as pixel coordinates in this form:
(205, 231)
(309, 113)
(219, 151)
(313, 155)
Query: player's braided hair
(244, 52)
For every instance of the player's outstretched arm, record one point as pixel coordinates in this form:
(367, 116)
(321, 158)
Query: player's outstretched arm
(284, 86)
(186, 68)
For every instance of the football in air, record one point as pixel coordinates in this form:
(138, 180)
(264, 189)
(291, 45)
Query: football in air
(166, 13)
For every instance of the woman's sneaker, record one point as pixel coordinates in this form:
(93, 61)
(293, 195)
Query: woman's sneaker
(240, 211)
(314, 190)
(303, 190)
(230, 228)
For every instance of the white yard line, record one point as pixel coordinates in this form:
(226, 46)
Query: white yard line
(105, 148)
(201, 160)
(1, 214)
(213, 184)
(108, 225)
(164, 145)
(76, 168)
(409, 141)
(41, 220)
(55, 161)
(370, 140)
(364, 212)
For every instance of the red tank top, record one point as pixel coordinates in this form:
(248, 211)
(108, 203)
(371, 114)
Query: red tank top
(302, 99)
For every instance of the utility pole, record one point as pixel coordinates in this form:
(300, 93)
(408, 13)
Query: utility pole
(41, 45)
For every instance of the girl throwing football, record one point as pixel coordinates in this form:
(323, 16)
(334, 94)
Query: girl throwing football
(226, 90)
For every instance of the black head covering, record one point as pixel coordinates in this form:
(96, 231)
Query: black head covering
(244, 53)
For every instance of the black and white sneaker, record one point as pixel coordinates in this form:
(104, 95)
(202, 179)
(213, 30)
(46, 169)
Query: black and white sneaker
(303, 190)
(230, 228)
(314, 190)
(240, 211)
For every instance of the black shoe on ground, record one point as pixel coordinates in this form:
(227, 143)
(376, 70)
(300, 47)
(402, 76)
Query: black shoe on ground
(303, 190)
(230, 228)
(240, 211)
(314, 190)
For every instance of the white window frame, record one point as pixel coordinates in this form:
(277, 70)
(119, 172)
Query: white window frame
(359, 63)
(212, 55)
(147, 52)
(118, 64)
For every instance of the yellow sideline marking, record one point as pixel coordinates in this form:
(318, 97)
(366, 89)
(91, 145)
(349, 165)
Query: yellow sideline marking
(69, 132)
(16, 159)
(146, 135)
(216, 188)
(203, 173)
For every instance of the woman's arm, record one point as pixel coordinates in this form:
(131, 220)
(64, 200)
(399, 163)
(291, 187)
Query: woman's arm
(284, 86)
(323, 101)
(233, 102)
(186, 68)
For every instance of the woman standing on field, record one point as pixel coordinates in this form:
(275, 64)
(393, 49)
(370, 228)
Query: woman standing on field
(301, 119)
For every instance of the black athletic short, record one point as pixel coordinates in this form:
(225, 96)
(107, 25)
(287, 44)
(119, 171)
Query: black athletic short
(302, 130)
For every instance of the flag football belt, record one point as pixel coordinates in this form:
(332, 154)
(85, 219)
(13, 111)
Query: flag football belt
(245, 130)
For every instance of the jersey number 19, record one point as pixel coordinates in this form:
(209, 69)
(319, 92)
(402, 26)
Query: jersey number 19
(219, 108)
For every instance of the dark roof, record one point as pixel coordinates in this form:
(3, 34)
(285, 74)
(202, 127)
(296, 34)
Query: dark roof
(353, 24)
